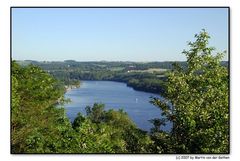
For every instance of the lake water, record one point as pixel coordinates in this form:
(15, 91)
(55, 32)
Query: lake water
(114, 95)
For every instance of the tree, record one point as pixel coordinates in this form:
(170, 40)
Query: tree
(37, 126)
(109, 132)
(197, 101)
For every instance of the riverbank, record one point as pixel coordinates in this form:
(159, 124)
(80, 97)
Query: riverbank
(146, 85)
(72, 86)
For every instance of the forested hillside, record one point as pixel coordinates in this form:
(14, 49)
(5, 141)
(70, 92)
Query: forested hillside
(149, 77)
(142, 76)
(196, 103)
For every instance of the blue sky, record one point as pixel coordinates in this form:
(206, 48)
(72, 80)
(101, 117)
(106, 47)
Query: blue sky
(113, 34)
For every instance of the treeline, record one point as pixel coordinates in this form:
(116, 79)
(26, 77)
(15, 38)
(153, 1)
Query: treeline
(100, 65)
(105, 65)
(135, 75)
(148, 85)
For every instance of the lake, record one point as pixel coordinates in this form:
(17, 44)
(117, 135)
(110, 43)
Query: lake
(114, 95)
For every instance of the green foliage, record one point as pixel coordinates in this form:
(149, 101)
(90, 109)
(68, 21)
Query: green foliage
(163, 143)
(78, 121)
(147, 84)
(198, 102)
(38, 126)
(96, 113)
(110, 132)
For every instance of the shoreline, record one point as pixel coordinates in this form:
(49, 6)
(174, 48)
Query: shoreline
(70, 87)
